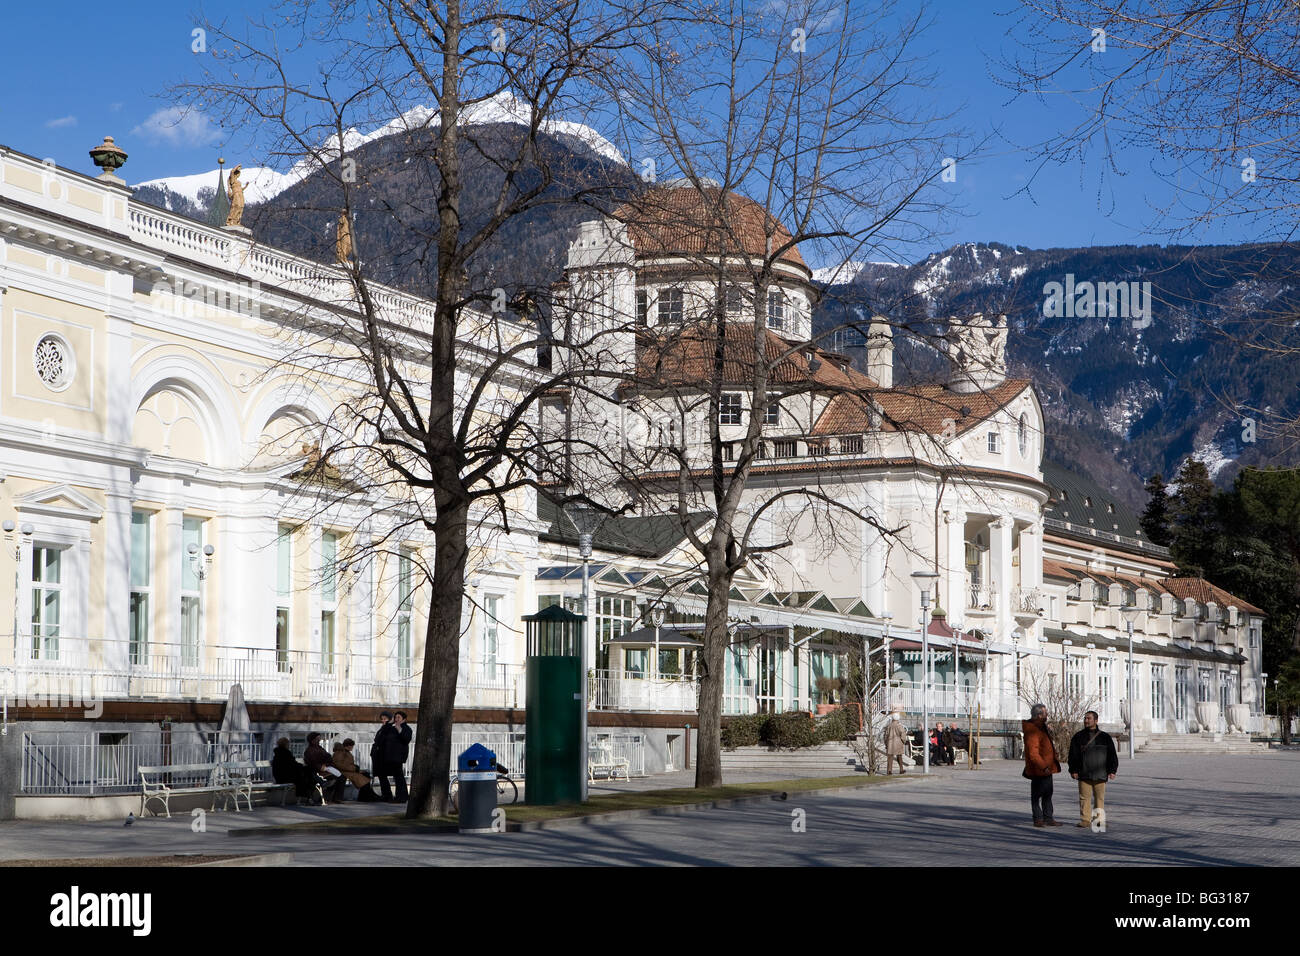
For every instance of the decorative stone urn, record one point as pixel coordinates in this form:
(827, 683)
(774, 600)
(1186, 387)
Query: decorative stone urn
(1207, 715)
(1238, 718)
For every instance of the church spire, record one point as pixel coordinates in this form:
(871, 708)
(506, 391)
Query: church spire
(220, 207)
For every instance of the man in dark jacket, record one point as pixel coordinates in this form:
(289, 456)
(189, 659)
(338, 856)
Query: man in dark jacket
(391, 748)
(1093, 761)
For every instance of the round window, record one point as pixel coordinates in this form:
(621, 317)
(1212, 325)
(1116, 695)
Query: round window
(54, 361)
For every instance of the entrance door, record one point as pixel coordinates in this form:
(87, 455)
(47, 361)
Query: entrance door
(771, 690)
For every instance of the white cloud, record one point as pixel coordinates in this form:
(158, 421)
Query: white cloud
(61, 122)
(177, 126)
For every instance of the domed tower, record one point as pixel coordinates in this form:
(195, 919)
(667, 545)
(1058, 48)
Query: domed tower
(683, 235)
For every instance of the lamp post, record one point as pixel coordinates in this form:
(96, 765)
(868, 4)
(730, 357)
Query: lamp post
(1130, 614)
(925, 579)
(586, 520)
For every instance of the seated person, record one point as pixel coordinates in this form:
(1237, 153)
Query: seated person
(284, 767)
(347, 765)
(319, 763)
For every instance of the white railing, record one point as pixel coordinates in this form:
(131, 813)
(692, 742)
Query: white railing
(69, 763)
(980, 597)
(1027, 601)
(86, 669)
(959, 700)
(629, 690)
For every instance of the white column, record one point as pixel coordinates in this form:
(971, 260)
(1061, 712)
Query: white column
(116, 525)
(873, 550)
(172, 523)
(1000, 571)
(954, 590)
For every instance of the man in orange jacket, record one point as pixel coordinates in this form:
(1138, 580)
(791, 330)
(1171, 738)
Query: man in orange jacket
(1040, 764)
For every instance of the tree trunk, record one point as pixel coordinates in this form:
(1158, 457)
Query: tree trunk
(708, 761)
(431, 761)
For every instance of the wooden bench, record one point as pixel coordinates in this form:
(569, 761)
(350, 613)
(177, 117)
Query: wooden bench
(601, 759)
(206, 776)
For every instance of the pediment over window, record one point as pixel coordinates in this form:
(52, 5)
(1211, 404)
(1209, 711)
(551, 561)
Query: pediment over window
(59, 501)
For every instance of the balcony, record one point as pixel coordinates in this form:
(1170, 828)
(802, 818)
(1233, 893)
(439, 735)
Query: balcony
(81, 669)
(631, 690)
(981, 598)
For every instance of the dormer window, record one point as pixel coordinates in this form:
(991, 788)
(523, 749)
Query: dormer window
(776, 309)
(735, 300)
(729, 409)
(1087, 502)
(670, 307)
(994, 443)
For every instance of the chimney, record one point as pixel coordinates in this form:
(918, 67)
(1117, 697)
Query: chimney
(977, 352)
(880, 351)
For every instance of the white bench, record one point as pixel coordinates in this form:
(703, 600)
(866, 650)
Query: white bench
(206, 780)
(601, 759)
(236, 779)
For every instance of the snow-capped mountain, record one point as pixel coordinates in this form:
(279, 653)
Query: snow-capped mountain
(848, 270)
(262, 183)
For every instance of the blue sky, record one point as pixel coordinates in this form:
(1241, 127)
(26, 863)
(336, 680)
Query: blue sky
(85, 69)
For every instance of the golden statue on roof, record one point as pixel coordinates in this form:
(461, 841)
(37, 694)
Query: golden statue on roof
(235, 190)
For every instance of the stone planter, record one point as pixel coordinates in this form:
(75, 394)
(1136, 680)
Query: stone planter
(1207, 715)
(1238, 718)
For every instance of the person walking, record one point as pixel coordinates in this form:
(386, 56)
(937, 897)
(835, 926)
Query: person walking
(1093, 760)
(392, 746)
(1040, 764)
(895, 743)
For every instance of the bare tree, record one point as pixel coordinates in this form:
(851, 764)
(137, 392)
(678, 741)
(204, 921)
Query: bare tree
(782, 127)
(443, 437)
(1066, 704)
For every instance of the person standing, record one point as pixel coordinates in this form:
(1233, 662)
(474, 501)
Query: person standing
(1093, 760)
(393, 742)
(1040, 764)
(895, 744)
(378, 762)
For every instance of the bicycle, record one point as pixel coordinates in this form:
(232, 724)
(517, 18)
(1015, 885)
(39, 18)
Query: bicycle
(507, 789)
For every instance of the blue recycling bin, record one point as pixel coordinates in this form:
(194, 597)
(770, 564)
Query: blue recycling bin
(476, 799)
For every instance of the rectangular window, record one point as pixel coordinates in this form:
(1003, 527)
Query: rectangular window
(615, 616)
(283, 591)
(995, 443)
(773, 414)
(670, 307)
(637, 659)
(491, 633)
(1075, 667)
(141, 579)
(47, 602)
(329, 554)
(405, 602)
(642, 308)
(1204, 692)
(735, 300)
(1254, 635)
(669, 662)
(1103, 678)
(729, 409)
(191, 597)
(785, 448)
(1158, 691)
(1182, 690)
(775, 309)
(851, 445)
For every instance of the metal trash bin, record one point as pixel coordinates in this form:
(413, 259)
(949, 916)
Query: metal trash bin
(476, 797)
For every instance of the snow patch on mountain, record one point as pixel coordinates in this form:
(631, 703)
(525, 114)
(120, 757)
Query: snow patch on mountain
(262, 183)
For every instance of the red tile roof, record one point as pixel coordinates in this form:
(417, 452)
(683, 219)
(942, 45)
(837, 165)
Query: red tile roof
(686, 221)
(668, 358)
(920, 408)
(1204, 592)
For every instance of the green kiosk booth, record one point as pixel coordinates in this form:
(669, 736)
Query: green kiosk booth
(553, 760)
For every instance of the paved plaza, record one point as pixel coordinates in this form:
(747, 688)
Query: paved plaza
(1163, 810)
